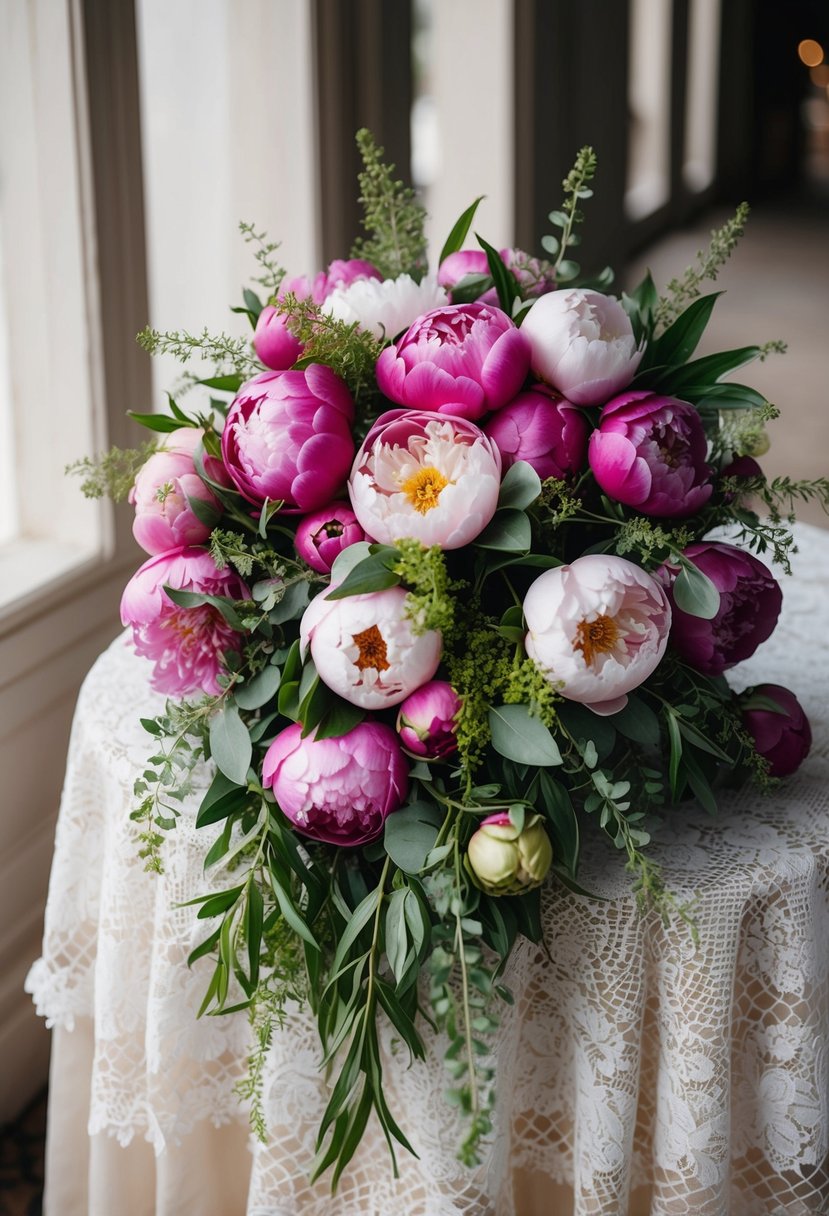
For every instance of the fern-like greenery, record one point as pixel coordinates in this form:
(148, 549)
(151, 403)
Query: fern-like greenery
(392, 217)
(680, 292)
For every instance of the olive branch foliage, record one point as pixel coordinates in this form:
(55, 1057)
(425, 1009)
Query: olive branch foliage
(384, 942)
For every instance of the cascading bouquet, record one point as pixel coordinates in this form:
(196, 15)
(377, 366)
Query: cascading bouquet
(431, 584)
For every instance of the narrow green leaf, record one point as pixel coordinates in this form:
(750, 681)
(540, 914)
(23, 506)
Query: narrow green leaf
(460, 231)
(397, 938)
(505, 281)
(223, 384)
(680, 340)
(675, 739)
(155, 422)
(564, 824)
(195, 599)
(638, 722)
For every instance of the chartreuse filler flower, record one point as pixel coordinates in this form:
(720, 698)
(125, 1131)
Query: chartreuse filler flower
(432, 588)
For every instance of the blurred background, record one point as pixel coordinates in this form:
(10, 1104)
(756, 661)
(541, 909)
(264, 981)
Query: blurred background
(135, 135)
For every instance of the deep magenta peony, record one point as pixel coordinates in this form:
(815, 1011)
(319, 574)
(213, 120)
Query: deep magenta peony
(783, 738)
(649, 453)
(338, 790)
(288, 436)
(750, 600)
(462, 359)
(185, 644)
(322, 536)
(426, 721)
(164, 518)
(542, 429)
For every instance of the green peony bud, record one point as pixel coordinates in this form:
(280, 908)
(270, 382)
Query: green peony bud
(504, 861)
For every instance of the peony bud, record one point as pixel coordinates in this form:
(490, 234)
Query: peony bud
(783, 737)
(505, 861)
(426, 721)
(322, 536)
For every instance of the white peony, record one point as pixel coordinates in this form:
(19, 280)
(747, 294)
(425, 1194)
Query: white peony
(385, 306)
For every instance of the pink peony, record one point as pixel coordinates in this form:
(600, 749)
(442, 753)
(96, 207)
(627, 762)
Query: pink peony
(426, 720)
(164, 518)
(322, 536)
(462, 359)
(366, 649)
(338, 790)
(750, 601)
(582, 344)
(534, 277)
(288, 436)
(273, 342)
(649, 453)
(185, 644)
(542, 429)
(783, 737)
(428, 476)
(597, 628)
(340, 273)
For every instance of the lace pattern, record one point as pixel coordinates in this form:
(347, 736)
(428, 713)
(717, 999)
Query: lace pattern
(633, 1062)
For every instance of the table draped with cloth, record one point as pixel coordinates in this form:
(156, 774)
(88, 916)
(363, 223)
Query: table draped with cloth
(638, 1072)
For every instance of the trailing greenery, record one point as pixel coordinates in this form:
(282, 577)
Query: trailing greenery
(224, 353)
(112, 475)
(392, 217)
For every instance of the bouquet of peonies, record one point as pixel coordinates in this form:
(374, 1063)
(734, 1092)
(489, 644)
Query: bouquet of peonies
(431, 583)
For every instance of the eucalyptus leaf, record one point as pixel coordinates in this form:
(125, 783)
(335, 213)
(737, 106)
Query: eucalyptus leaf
(694, 592)
(410, 835)
(259, 689)
(347, 559)
(370, 574)
(508, 532)
(519, 736)
(521, 486)
(230, 744)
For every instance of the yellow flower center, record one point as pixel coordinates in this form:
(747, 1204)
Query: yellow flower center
(423, 489)
(372, 648)
(596, 637)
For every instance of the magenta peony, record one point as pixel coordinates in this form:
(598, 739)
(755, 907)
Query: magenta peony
(534, 277)
(338, 790)
(366, 649)
(784, 738)
(322, 536)
(541, 428)
(463, 359)
(582, 344)
(426, 720)
(597, 628)
(164, 518)
(185, 644)
(750, 600)
(273, 342)
(427, 476)
(288, 436)
(649, 453)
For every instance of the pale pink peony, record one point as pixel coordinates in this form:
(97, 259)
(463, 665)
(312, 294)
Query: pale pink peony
(544, 430)
(322, 536)
(462, 359)
(288, 436)
(366, 649)
(164, 518)
(385, 307)
(426, 721)
(597, 628)
(582, 344)
(337, 790)
(185, 644)
(427, 476)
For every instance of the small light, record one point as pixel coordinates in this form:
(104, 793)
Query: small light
(810, 52)
(820, 75)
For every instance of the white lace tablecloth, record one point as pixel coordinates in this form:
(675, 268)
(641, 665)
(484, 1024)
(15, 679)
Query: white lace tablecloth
(638, 1073)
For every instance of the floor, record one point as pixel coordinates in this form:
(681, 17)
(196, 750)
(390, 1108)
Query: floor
(21, 1162)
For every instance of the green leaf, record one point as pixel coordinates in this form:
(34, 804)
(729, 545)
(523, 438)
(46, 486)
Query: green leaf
(728, 396)
(155, 422)
(521, 486)
(371, 574)
(508, 532)
(259, 689)
(470, 288)
(360, 917)
(224, 384)
(410, 834)
(230, 744)
(347, 559)
(290, 911)
(638, 722)
(641, 307)
(708, 369)
(505, 281)
(339, 718)
(204, 512)
(397, 938)
(583, 724)
(222, 799)
(680, 340)
(253, 922)
(564, 825)
(252, 302)
(699, 784)
(694, 592)
(675, 739)
(570, 883)
(292, 605)
(460, 231)
(521, 737)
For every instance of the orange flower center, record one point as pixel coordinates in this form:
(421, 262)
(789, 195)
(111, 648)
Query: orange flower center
(372, 649)
(596, 637)
(423, 489)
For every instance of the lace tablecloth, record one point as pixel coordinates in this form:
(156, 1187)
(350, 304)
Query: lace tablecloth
(638, 1073)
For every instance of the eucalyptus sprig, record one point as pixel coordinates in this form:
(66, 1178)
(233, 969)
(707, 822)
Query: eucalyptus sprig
(576, 186)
